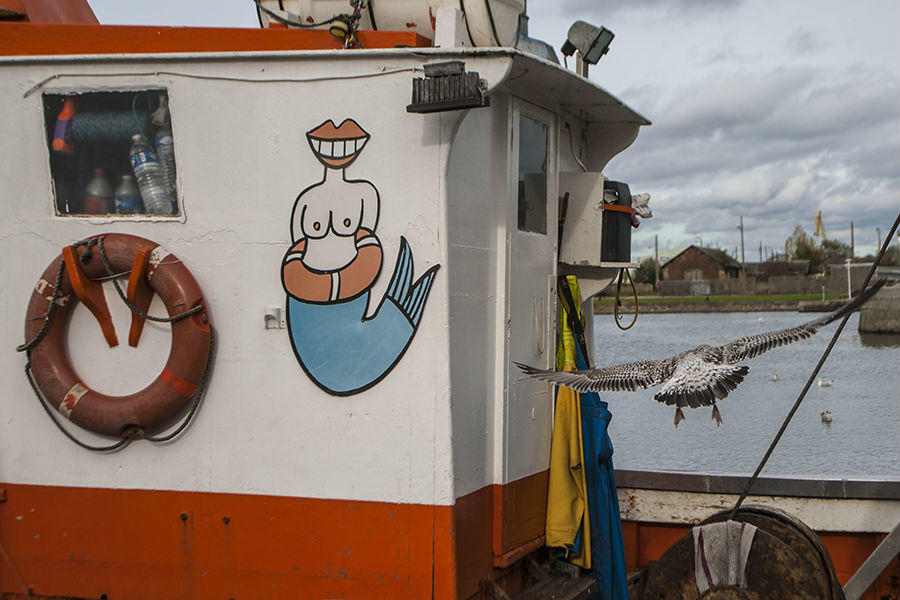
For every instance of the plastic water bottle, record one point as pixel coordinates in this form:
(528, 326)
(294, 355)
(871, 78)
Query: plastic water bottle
(128, 197)
(98, 195)
(165, 152)
(149, 177)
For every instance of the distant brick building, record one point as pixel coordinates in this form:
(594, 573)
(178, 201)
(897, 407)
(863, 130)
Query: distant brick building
(695, 263)
(776, 268)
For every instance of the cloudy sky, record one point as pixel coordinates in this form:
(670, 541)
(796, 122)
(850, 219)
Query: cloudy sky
(764, 109)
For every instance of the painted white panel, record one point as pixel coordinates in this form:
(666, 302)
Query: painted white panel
(476, 189)
(242, 160)
(582, 234)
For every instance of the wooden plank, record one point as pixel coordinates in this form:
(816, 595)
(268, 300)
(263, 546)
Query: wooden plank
(877, 562)
(560, 588)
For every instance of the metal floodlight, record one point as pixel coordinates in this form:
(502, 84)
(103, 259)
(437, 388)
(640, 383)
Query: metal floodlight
(591, 41)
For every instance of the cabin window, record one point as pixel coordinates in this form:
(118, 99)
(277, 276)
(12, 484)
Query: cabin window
(97, 166)
(533, 153)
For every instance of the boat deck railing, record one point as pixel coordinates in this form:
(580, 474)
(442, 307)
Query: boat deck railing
(798, 487)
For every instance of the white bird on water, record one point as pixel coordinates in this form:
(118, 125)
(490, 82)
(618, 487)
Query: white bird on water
(825, 382)
(826, 416)
(774, 376)
(696, 377)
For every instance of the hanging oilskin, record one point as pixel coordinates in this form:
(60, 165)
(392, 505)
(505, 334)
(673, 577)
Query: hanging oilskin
(333, 262)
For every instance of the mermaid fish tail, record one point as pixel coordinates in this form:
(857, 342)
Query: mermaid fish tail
(344, 352)
(410, 299)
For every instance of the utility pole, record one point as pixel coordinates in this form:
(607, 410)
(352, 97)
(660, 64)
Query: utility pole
(878, 229)
(849, 288)
(851, 239)
(656, 261)
(760, 252)
(743, 264)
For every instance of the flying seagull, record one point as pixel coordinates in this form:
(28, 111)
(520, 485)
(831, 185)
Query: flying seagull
(697, 377)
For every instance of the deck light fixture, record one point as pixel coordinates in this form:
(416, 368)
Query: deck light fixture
(591, 41)
(447, 86)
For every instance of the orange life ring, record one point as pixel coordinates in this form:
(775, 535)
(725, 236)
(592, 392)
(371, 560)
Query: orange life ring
(153, 407)
(322, 287)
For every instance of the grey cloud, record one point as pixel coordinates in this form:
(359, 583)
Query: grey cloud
(826, 109)
(781, 117)
(876, 158)
(803, 42)
(608, 8)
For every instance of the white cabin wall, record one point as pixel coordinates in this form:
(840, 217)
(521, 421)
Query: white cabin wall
(572, 133)
(476, 196)
(242, 159)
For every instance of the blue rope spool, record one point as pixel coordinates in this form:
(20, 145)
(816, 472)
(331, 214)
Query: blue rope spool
(109, 126)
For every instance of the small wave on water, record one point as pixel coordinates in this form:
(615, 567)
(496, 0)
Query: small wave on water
(862, 440)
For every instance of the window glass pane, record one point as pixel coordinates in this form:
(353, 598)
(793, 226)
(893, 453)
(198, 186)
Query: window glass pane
(532, 175)
(111, 153)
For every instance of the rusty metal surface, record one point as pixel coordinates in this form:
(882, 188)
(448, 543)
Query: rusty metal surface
(775, 571)
(787, 561)
(799, 537)
(31, 596)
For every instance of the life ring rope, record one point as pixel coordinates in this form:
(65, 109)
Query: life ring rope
(128, 303)
(197, 399)
(181, 384)
(110, 275)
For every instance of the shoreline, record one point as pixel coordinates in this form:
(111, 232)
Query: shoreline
(605, 306)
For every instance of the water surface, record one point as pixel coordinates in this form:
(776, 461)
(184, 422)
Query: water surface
(863, 441)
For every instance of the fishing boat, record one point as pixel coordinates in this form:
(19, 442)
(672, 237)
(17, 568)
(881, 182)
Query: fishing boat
(328, 240)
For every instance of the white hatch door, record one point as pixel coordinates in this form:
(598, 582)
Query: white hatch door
(531, 289)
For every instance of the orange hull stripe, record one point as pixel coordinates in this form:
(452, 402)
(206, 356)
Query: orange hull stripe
(85, 542)
(135, 544)
(26, 39)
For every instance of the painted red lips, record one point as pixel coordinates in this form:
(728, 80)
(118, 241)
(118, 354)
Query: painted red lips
(337, 146)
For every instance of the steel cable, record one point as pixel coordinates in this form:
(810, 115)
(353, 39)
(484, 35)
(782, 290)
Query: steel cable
(812, 376)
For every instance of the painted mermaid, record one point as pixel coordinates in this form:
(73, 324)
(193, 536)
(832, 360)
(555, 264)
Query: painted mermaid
(335, 259)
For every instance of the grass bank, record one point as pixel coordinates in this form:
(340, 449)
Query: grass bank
(749, 303)
(730, 299)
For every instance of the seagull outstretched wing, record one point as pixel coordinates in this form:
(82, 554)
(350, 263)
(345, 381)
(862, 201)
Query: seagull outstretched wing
(620, 378)
(697, 377)
(754, 345)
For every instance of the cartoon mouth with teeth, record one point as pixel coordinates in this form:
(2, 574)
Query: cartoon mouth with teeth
(337, 146)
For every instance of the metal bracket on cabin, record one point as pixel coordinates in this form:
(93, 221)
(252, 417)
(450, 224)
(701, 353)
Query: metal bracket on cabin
(140, 294)
(447, 86)
(90, 293)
